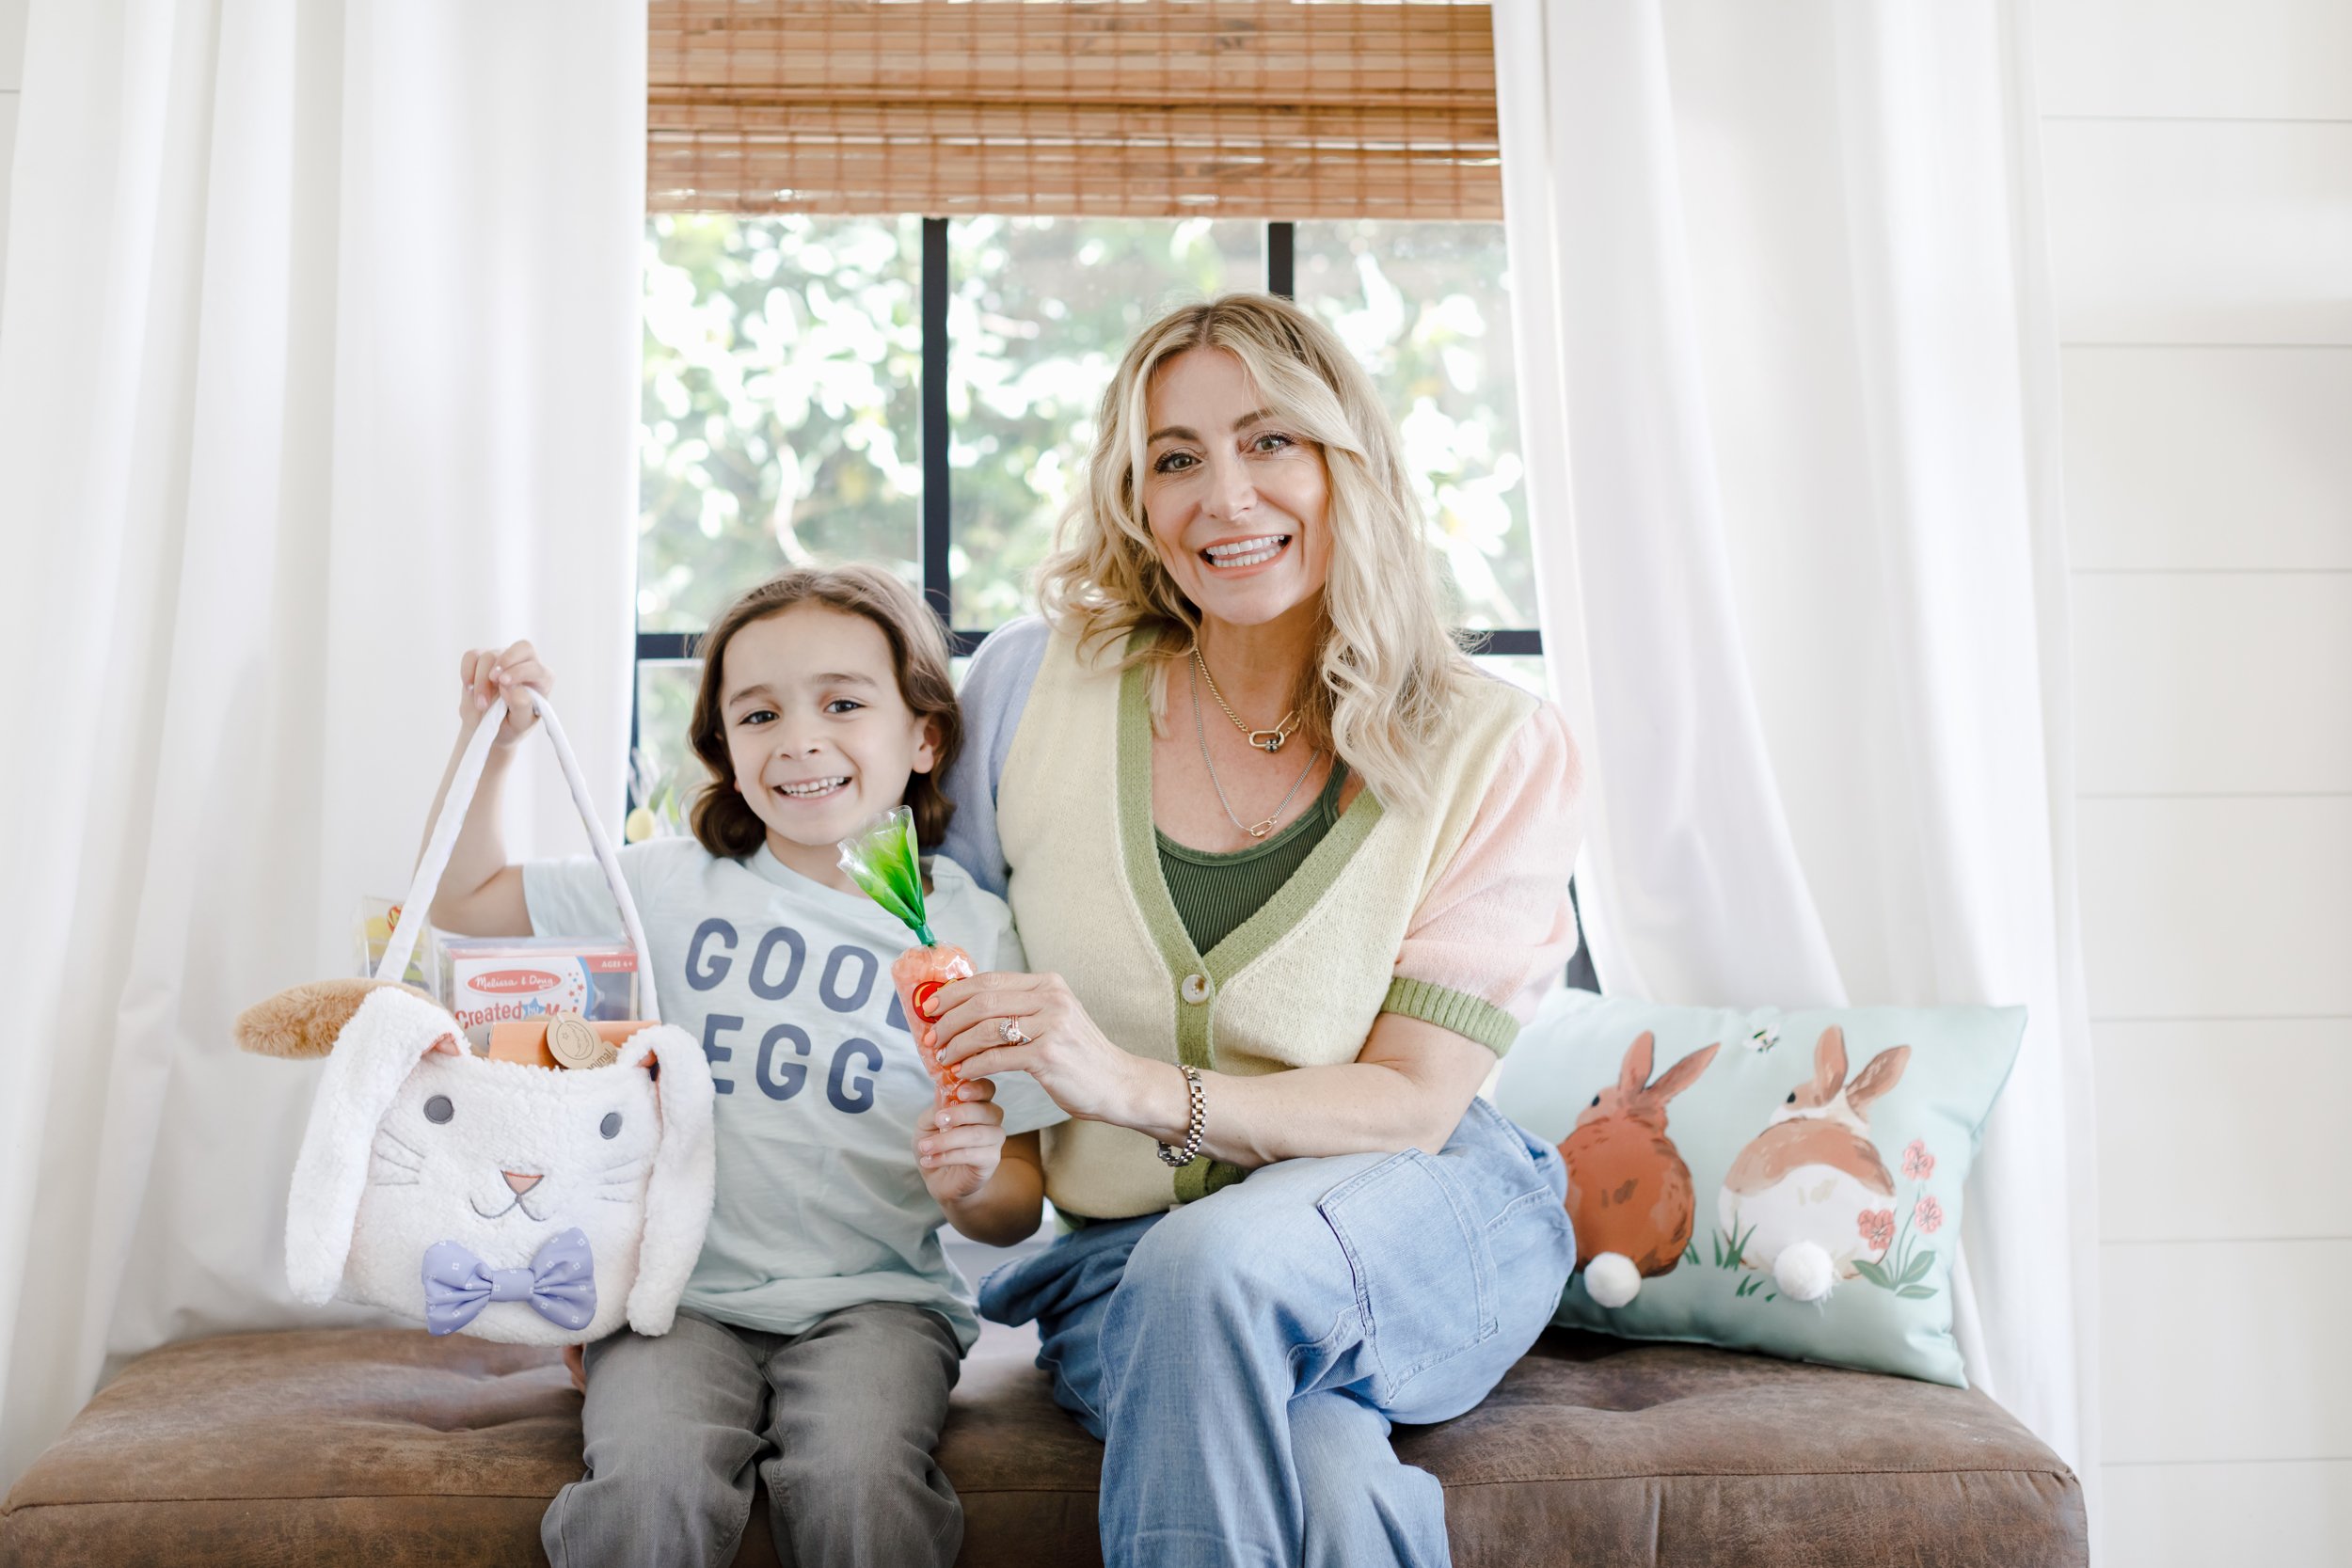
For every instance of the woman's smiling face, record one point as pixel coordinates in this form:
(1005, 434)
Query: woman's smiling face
(819, 733)
(1237, 501)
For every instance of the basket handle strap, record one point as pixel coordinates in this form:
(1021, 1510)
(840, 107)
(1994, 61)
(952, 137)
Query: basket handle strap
(437, 849)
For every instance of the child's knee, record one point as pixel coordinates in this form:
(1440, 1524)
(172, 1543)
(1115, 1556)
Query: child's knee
(704, 1466)
(660, 1493)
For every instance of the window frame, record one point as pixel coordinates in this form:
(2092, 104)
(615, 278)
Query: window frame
(938, 581)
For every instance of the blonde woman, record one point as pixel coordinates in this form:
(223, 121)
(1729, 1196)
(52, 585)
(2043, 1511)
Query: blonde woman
(1289, 872)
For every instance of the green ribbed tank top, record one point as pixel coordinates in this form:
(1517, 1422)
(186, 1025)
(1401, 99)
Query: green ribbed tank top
(1215, 892)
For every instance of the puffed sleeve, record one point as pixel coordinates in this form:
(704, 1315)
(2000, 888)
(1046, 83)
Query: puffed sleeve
(1496, 932)
(995, 692)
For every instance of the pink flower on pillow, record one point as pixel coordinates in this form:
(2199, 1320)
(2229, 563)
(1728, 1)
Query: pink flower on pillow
(1877, 1227)
(1929, 1215)
(1918, 1165)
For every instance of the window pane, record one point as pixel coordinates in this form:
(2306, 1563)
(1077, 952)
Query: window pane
(1427, 306)
(1042, 309)
(665, 703)
(783, 404)
(1525, 670)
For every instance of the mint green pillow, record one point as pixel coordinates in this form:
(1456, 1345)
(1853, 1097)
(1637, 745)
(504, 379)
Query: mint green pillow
(1731, 1162)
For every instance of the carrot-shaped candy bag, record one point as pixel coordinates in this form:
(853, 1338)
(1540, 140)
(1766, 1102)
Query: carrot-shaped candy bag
(880, 857)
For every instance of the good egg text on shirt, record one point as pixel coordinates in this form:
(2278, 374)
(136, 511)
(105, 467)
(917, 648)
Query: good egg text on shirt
(774, 969)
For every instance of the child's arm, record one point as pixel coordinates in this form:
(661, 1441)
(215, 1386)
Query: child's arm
(991, 1187)
(481, 895)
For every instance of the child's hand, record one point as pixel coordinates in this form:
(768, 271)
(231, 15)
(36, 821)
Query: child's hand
(957, 1146)
(488, 672)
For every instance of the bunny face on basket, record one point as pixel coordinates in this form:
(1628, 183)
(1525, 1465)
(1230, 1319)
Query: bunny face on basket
(1783, 1181)
(501, 1157)
(497, 1157)
(519, 1152)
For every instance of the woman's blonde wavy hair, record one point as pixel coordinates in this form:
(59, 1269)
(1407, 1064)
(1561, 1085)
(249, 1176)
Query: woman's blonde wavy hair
(1386, 670)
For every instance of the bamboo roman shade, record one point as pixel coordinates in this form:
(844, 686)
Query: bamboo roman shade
(1136, 108)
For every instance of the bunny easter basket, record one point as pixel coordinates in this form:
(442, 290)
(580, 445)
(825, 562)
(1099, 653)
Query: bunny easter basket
(519, 1203)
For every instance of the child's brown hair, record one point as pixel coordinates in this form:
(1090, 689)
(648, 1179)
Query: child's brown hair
(722, 819)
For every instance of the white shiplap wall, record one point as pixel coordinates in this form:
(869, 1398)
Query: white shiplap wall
(12, 15)
(2198, 162)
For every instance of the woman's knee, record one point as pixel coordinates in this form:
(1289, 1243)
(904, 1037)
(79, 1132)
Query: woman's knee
(1179, 1250)
(1214, 1250)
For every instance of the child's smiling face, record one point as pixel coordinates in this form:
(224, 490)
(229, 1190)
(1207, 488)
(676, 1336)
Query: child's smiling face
(820, 735)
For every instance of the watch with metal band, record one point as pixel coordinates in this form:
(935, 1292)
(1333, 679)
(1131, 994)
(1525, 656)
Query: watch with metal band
(1185, 1153)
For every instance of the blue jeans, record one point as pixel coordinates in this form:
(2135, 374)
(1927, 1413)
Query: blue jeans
(1242, 1359)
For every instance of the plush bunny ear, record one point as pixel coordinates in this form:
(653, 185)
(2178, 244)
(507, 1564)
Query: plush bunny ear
(303, 1021)
(374, 1052)
(677, 1198)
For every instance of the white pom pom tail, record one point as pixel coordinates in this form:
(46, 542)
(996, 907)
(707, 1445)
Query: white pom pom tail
(1803, 1271)
(1612, 1279)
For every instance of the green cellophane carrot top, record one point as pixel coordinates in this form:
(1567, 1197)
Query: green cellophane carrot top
(881, 857)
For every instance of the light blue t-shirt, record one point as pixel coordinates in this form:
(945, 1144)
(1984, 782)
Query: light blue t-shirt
(786, 983)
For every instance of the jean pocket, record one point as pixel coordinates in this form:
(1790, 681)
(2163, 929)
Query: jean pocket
(1521, 1150)
(1424, 1270)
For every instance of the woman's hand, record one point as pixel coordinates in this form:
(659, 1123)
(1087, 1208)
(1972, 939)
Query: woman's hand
(488, 672)
(1071, 1059)
(959, 1146)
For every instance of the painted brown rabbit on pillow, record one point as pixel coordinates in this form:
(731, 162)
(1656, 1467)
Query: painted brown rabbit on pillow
(1793, 1196)
(1628, 1190)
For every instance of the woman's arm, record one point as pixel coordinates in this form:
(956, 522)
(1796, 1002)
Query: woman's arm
(1491, 937)
(1407, 1089)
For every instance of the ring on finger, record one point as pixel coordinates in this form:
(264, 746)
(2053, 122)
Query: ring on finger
(1011, 1033)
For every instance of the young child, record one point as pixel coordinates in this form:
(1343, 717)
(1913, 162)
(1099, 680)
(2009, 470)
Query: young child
(823, 1326)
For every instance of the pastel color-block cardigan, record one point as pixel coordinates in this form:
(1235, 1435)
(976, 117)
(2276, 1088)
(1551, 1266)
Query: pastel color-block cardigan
(1457, 914)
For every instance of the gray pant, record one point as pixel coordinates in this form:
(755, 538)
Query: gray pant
(839, 1420)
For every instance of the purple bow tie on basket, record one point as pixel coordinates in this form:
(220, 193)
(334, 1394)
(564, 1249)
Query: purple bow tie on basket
(560, 1284)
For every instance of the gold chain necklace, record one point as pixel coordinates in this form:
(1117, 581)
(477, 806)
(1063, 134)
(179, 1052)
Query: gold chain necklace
(1268, 742)
(1257, 830)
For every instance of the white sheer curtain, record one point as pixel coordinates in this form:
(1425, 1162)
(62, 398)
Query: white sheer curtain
(1779, 279)
(318, 365)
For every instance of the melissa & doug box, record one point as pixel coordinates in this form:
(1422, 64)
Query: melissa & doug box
(487, 980)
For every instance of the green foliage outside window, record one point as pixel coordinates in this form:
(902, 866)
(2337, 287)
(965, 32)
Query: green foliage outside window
(783, 383)
(1042, 311)
(783, 396)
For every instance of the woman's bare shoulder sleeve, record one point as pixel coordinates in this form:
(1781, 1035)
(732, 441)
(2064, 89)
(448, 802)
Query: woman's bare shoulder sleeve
(1496, 932)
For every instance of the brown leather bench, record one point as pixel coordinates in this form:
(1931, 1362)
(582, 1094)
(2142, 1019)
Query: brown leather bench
(387, 1447)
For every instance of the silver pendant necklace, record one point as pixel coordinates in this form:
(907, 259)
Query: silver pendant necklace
(1262, 829)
